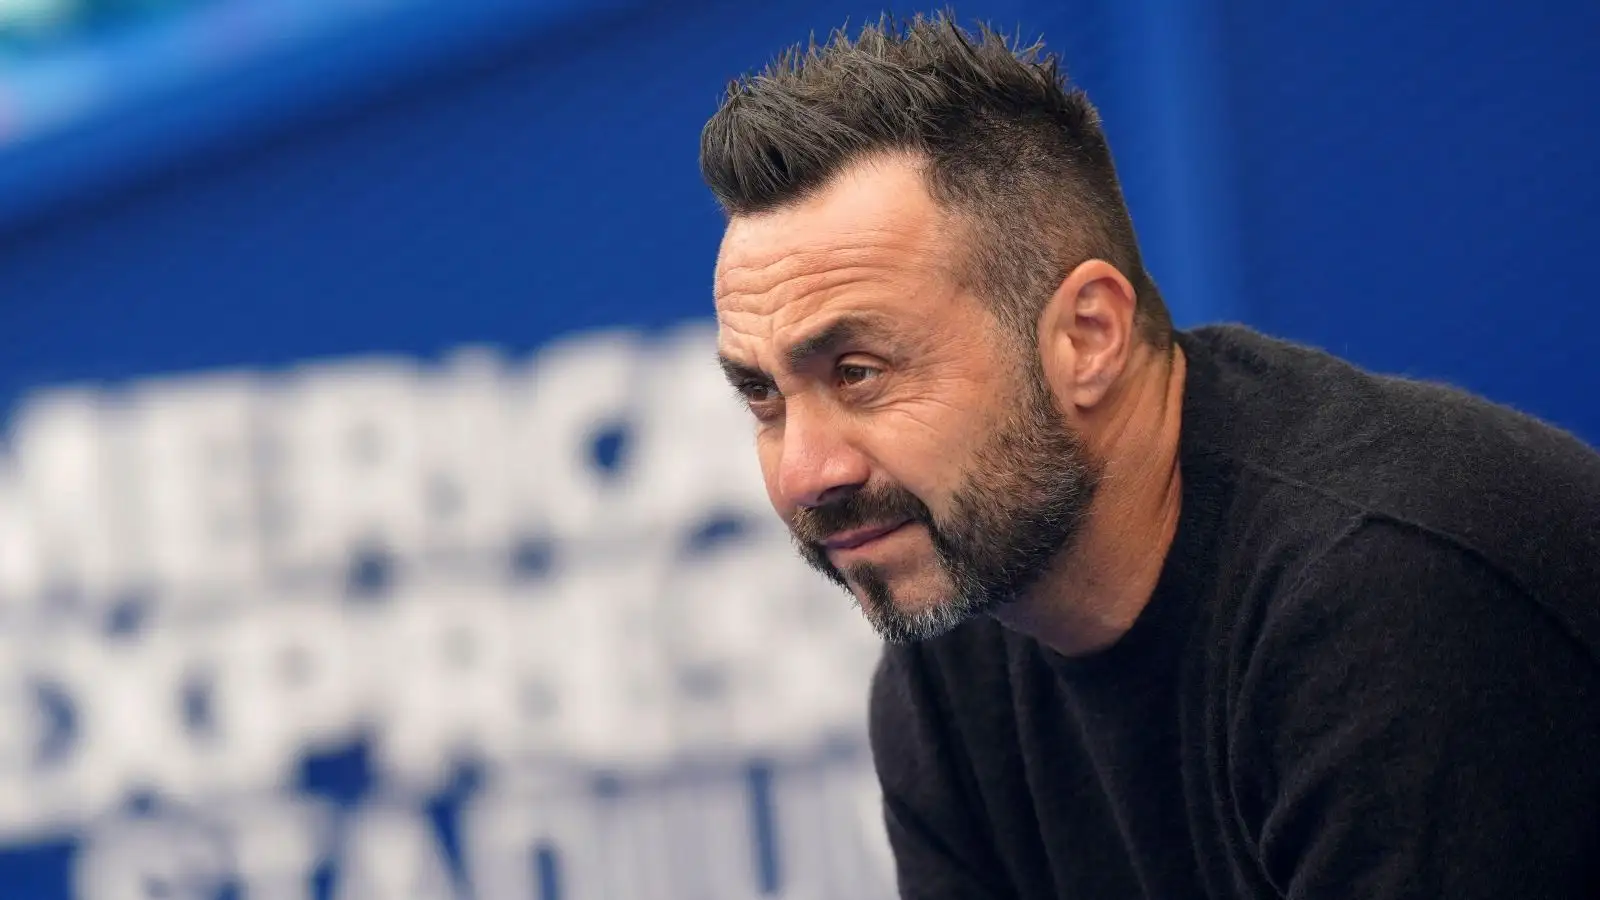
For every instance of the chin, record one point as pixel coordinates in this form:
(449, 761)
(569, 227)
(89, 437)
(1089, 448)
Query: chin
(903, 617)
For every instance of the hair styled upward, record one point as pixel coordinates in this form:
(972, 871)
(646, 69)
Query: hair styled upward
(1006, 144)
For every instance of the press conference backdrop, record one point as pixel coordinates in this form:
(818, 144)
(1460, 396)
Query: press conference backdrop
(372, 521)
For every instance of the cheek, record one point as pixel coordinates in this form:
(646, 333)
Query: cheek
(928, 472)
(925, 445)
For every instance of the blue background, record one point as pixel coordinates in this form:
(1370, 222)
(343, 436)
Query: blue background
(1410, 185)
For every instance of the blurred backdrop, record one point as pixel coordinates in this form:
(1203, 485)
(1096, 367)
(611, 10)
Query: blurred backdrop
(372, 521)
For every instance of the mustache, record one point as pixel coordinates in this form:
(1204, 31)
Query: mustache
(864, 508)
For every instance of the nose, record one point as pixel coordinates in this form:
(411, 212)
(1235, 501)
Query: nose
(819, 464)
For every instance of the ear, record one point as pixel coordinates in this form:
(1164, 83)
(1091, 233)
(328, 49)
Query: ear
(1086, 333)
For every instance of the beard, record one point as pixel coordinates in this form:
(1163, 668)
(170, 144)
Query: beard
(1022, 503)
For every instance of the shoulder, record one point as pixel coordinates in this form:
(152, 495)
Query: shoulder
(1404, 694)
(1366, 437)
(1309, 430)
(1391, 624)
(1407, 588)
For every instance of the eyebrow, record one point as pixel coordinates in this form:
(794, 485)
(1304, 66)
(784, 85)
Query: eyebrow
(738, 373)
(828, 340)
(824, 342)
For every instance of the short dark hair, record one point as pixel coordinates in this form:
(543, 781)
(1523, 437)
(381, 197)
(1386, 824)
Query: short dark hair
(1004, 140)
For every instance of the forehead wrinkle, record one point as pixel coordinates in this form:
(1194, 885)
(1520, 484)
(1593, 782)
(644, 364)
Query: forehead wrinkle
(793, 281)
(813, 288)
(868, 248)
(779, 333)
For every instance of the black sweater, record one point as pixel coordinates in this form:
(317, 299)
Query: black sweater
(1371, 668)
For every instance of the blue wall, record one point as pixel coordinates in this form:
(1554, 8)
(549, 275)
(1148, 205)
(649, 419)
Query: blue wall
(1418, 191)
(1409, 185)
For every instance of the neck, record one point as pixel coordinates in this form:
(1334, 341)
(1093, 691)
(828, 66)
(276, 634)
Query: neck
(1095, 592)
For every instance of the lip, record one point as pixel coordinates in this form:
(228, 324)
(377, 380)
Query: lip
(849, 540)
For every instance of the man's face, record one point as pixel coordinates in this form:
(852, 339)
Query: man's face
(909, 443)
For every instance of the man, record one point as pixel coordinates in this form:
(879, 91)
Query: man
(1169, 614)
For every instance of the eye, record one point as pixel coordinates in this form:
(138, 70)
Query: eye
(851, 375)
(761, 398)
(756, 391)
